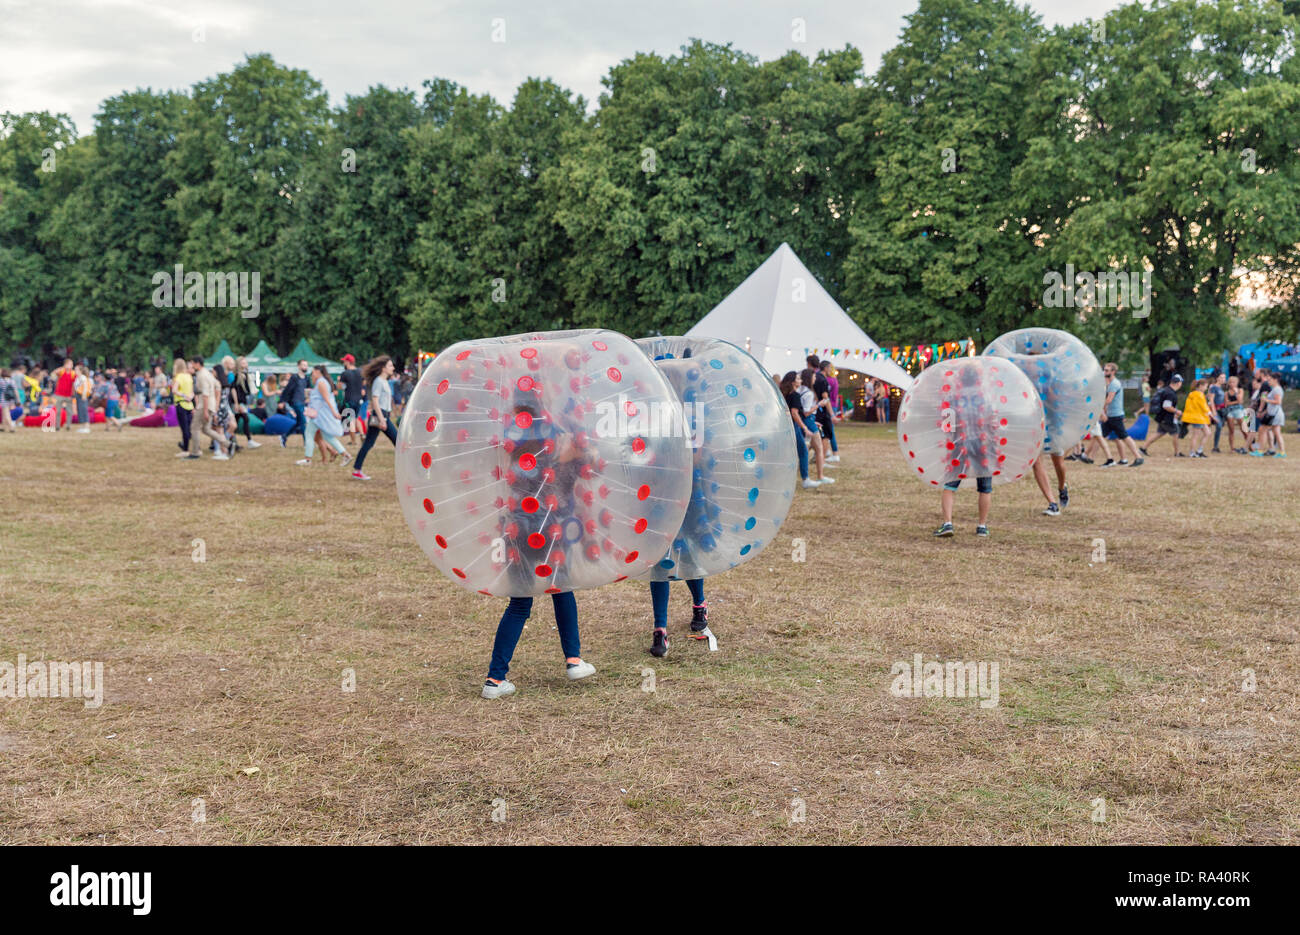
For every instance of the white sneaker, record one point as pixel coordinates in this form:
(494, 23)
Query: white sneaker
(833, 459)
(221, 456)
(252, 444)
(498, 690)
(305, 462)
(83, 431)
(828, 480)
(343, 462)
(182, 454)
(810, 484)
(580, 671)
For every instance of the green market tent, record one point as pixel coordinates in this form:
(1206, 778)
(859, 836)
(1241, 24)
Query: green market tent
(223, 350)
(263, 358)
(303, 351)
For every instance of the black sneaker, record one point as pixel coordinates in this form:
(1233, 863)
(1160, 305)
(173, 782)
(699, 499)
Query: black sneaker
(1110, 462)
(699, 618)
(1145, 453)
(660, 646)
(982, 532)
(944, 532)
(1085, 459)
(1052, 510)
(1065, 496)
(1139, 461)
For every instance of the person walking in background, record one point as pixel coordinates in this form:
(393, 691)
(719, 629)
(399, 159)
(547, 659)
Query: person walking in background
(1113, 418)
(882, 404)
(1166, 416)
(65, 405)
(1146, 393)
(183, 397)
(323, 416)
(1272, 419)
(376, 375)
(242, 393)
(790, 386)
(353, 384)
(294, 395)
(1217, 396)
(1197, 418)
(8, 399)
(816, 451)
(1234, 412)
(826, 411)
(82, 387)
(160, 384)
(206, 392)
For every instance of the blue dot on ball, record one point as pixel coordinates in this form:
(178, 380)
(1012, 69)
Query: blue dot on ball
(731, 390)
(740, 419)
(749, 454)
(744, 550)
(758, 473)
(692, 374)
(715, 364)
(753, 494)
(667, 563)
(751, 523)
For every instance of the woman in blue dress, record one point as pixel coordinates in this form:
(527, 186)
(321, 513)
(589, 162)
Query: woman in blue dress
(322, 416)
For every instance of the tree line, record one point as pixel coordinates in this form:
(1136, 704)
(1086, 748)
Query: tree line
(933, 198)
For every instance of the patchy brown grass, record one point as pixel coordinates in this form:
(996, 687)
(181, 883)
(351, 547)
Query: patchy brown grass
(1119, 680)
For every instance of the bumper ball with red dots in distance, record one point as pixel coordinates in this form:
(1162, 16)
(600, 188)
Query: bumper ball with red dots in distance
(521, 470)
(970, 417)
(1067, 377)
(743, 453)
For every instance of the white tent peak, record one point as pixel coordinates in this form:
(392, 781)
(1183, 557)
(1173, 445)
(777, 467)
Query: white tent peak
(780, 310)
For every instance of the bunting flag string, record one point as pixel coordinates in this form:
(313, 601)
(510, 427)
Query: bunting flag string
(907, 355)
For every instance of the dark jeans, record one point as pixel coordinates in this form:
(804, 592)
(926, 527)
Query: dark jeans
(827, 425)
(183, 418)
(241, 422)
(301, 426)
(802, 448)
(372, 434)
(512, 624)
(659, 598)
(1218, 428)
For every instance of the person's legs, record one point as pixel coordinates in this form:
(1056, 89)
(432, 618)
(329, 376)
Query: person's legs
(985, 501)
(1040, 477)
(945, 504)
(815, 443)
(309, 441)
(64, 407)
(300, 425)
(1277, 434)
(183, 419)
(828, 429)
(83, 412)
(659, 604)
(566, 621)
(802, 448)
(334, 442)
(696, 586)
(508, 631)
(1218, 430)
(372, 434)
(1058, 462)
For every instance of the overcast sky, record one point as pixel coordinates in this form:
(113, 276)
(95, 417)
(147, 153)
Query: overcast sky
(68, 55)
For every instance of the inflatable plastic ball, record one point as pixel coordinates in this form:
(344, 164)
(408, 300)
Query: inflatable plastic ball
(1067, 376)
(743, 453)
(521, 468)
(970, 417)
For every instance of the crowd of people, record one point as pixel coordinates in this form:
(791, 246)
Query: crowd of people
(214, 405)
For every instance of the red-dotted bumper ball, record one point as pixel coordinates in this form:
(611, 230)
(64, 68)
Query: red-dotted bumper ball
(743, 454)
(1067, 377)
(970, 417)
(521, 470)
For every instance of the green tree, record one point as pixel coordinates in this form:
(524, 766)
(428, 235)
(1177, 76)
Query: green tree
(239, 167)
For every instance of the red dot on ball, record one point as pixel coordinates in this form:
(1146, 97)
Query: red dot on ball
(462, 355)
(527, 462)
(543, 571)
(442, 387)
(638, 445)
(643, 491)
(600, 345)
(523, 420)
(426, 459)
(614, 375)
(536, 540)
(631, 556)
(529, 504)
(431, 424)
(524, 383)
(428, 505)
(459, 573)
(442, 543)
(528, 353)
(640, 525)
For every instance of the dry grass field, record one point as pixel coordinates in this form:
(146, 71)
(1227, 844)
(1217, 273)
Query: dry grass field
(1120, 680)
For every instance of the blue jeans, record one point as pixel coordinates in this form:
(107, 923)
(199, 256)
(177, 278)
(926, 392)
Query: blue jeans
(512, 625)
(802, 449)
(301, 425)
(372, 434)
(659, 598)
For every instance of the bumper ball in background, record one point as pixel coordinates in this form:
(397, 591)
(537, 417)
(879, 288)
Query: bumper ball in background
(520, 470)
(1067, 376)
(743, 454)
(970, 417)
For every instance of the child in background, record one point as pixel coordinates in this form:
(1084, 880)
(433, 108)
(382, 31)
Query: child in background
(1197, 418)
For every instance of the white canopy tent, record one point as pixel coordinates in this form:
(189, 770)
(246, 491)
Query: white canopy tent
(781, 310)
